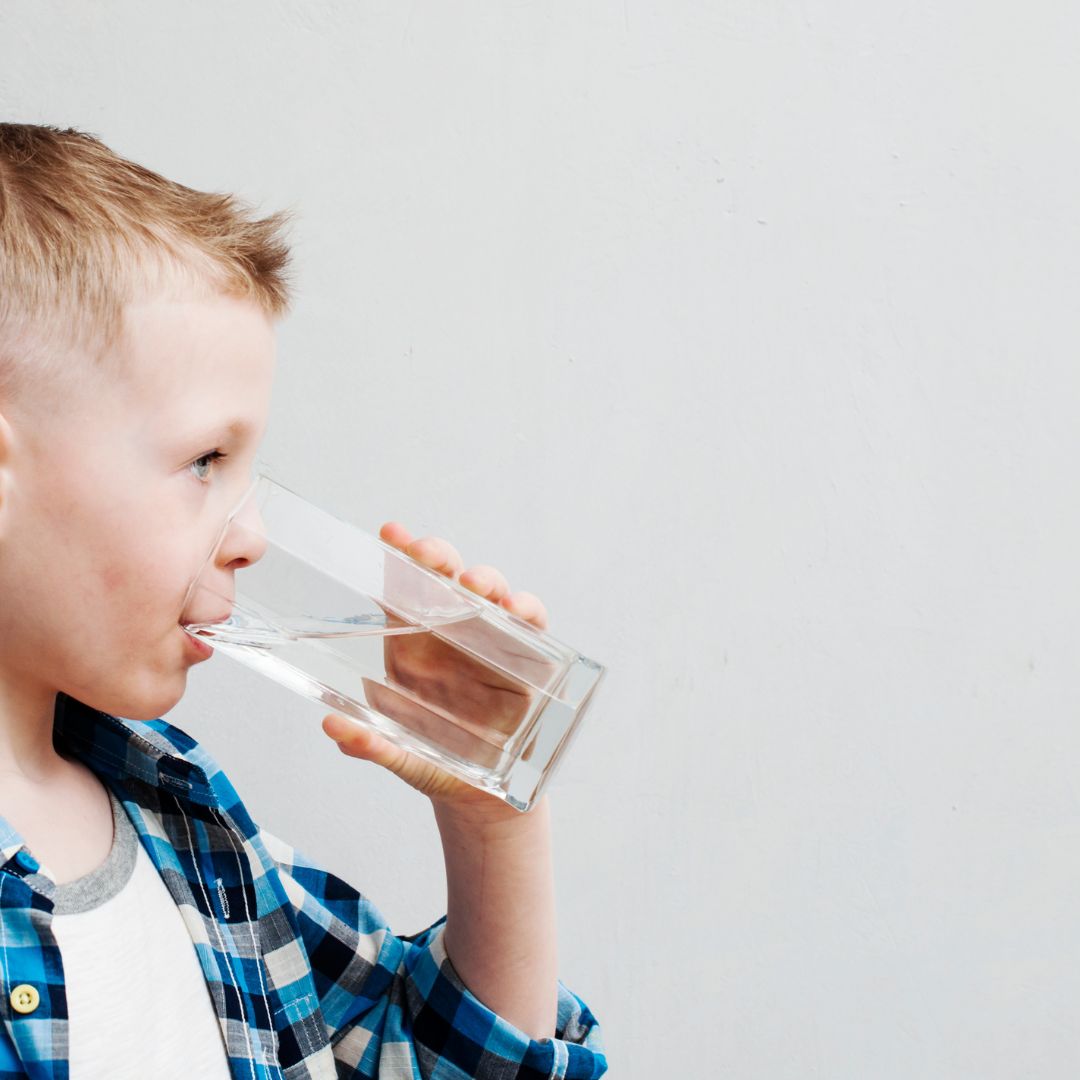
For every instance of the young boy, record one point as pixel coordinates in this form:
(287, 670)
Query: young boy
(148, 928)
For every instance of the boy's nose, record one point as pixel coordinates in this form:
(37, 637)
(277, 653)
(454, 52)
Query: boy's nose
(244, 542)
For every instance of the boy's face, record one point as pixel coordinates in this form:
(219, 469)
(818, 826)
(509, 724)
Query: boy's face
(109, 508)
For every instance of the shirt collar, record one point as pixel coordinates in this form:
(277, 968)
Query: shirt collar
(152, 751)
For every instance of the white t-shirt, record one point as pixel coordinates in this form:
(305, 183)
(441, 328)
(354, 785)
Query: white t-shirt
(138, 1003)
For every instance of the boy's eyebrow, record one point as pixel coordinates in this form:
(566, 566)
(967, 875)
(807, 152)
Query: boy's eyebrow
(238, 429)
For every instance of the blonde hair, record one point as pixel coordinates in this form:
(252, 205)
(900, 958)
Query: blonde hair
(84, 232)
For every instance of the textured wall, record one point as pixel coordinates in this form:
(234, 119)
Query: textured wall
(744, 334)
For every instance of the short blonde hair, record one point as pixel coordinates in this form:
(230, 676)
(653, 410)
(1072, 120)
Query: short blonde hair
(83, 232)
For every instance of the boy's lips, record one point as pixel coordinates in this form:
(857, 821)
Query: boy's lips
(209, 620)
(197, 647)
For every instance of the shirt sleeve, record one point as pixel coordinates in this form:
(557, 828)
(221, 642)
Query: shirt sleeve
(395, 1006)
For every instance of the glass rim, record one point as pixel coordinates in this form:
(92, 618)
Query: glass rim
(259, 475)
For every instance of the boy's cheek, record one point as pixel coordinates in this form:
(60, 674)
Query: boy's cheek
(141, 596)
(114, 579)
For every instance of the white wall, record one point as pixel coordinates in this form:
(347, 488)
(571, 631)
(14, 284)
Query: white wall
(745, 335)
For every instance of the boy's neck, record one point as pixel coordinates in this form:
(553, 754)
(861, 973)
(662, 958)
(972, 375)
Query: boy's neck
(26, 734)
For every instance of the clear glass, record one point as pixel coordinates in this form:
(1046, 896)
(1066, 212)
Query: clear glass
(347, 620)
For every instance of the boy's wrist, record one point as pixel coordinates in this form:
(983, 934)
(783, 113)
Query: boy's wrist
(492, 818)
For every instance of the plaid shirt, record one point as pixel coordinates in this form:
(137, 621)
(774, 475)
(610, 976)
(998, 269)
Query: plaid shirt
(305, 976)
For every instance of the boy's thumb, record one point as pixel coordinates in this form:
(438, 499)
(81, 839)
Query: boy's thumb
(358, 741)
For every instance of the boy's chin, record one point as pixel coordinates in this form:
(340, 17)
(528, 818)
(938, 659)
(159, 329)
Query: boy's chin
(151, 705)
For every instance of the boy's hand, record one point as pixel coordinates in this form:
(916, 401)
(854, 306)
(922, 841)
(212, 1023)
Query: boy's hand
(427, 666)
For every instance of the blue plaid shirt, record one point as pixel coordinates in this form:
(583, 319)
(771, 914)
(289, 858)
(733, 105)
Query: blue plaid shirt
(305, 975)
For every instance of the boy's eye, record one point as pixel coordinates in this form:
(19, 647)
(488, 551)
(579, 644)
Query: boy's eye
(210, 458)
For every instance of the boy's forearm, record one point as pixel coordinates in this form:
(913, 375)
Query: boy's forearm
(500, 923)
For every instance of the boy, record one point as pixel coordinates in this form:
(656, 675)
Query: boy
(148, 928)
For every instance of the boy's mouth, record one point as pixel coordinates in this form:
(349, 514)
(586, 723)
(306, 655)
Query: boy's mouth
(208, 620)
(214, 619)
(198, 648)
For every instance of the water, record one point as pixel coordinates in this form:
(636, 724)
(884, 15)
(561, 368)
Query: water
(467, 694)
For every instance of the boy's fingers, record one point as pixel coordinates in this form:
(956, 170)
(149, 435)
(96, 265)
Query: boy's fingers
(527, 606)
(438, 554)
(357, 741)
(394, 533)
(430, 550)
(486, 581)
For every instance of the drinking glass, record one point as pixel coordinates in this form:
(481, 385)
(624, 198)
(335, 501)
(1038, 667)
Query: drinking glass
(347, 620)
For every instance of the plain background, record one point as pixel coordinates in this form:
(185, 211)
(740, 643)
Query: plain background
(744, 334)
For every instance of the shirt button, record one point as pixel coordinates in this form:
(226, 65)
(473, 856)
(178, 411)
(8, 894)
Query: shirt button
(24, 998)
(26, 861)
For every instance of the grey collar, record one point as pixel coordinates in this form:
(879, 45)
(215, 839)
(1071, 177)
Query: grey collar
(103, 883)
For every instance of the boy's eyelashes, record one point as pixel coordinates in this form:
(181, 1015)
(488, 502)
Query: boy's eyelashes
(209, 457)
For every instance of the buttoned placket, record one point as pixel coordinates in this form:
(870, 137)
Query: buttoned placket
(24, 917)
